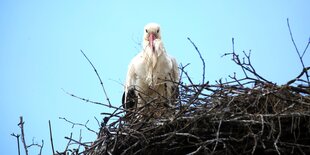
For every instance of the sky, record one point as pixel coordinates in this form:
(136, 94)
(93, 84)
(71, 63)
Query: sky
(40, 43)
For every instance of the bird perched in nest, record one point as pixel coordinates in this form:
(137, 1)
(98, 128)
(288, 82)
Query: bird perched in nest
(153, 76)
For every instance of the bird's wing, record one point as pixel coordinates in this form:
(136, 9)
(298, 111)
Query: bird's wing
(174, 78)
(131, 74)
(129, 98)
(175, 70)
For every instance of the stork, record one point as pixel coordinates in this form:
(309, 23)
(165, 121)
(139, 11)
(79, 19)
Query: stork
(152, 75)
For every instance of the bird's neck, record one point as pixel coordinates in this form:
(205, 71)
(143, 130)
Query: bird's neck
(152, 58)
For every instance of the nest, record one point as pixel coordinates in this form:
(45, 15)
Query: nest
(250, 115)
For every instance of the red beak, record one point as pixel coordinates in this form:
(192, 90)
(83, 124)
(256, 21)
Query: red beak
(151, 40)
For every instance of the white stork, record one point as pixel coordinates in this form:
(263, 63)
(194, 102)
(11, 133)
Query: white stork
(152, 73)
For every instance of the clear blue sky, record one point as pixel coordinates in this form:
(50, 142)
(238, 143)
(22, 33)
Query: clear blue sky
(40, 44)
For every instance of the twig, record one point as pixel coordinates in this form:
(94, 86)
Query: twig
(292, 38)
(305, 48)
(94, 102)
(80, 139)
(279, 134)
(79, 124)
(99, 125)
(245, 65)
(196, 151)
(41, 148)
(188, 135)
(51, 135)
(217, 135)
(21, 125)
(68, 144)
(255, 143)
(236, 57)
(299, 55)
(101, 83)
(17, 139)
(203, 61)
(38, 145)
(97, 142)
(125, 151)
(75, 141)
(188, 77)
(304, 71)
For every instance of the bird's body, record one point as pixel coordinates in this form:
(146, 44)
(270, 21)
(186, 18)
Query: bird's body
(152, 74)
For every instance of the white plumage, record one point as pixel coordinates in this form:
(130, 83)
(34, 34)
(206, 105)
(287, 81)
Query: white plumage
(152, 74)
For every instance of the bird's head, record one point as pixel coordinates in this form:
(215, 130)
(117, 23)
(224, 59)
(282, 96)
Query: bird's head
(151, 33)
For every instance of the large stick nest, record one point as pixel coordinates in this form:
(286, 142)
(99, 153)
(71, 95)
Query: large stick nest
(250, 115)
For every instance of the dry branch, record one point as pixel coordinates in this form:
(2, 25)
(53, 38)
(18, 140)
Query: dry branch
(201, 58)
(51, 136)
(101, 83)
(17, 139)
(298, 53)
(21, 125)
(23, 139)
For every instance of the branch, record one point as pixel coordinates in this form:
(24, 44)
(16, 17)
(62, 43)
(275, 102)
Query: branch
(51, 135)
(305, 48)
(17, 139)
(217, 135)
(68, 142)
(279, 134)
(94, 102)
(203, 61)
(38, 145)
(80, 139)
(101, 83)
(21, 125)
(79, 124)
(246, 65)
(304, 71)
(76, 141)
(299, 55)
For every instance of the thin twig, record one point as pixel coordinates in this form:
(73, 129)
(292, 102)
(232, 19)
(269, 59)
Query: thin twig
(51, 136)
(217, 135)
(101, 83)
(299, 55)
(305, 48)
(21, 125)
(236, 57)
(69, 142)
(279, 134)
(292, 38)
(196, 151)
(41, 148)
(203, 61)
(94, 102)
(304, 71)
(38, 145)
(79, 124)
(80, 140)
(17, 139)
(76, 141)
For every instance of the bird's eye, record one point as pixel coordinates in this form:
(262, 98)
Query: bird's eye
(158, 31)
(146, 31)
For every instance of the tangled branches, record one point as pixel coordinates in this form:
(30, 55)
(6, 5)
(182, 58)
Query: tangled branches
(248, 115)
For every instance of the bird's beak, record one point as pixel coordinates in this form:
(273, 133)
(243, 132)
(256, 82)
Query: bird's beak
(151, 41)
